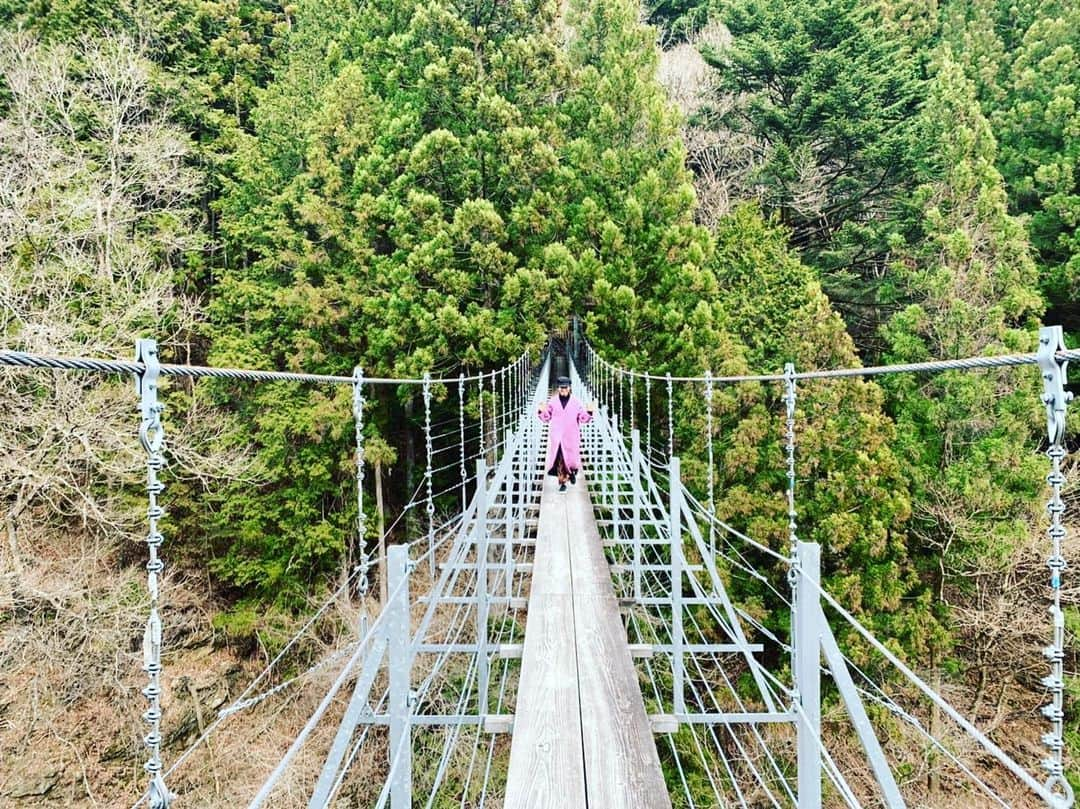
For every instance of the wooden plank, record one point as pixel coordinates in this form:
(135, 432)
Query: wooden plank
(581, 735)
(546, 766)
(498, 723)
(622, 767)
(590, 568)
(664, 723)
(551, 560)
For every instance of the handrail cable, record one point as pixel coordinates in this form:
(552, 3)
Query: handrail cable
(25, 359)
(931, 366)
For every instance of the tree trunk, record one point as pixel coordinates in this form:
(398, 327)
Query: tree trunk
(410, 466)
(934, 778)
(382, 533)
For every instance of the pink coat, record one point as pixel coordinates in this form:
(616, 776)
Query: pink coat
(565, 430)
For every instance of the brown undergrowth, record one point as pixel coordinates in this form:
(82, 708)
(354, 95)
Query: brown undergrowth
(70, 702)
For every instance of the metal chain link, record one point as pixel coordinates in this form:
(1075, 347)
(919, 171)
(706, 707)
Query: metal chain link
(428, 474)
(789, 401)
(361, 518)
(611, 388)
(461, 433)
(152, 438)
(605, 382)
(620, 399)
(671, 416)
(793, 539)
(480, 402)
(709, 460)
(1057, 400)
(494, 420)
(648, 415)
(600, 374)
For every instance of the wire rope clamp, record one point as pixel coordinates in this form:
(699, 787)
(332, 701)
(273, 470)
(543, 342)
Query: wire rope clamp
(159, 796)
(1054, 374)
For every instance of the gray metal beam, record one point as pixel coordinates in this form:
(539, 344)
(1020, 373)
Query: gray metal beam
(842, 677)
(358, 705)
(807, 671)
(400, 664)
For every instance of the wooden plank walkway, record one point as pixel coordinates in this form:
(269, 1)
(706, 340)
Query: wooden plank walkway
(581, 736)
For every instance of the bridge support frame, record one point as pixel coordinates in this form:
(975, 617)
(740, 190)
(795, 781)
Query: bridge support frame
(635, 481)
(678, 637)
(807, 672)
(814, 638)
(400, 657)
(482, 595)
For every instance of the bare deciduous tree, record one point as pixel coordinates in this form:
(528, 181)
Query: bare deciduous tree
(97, 210)
(724, 162)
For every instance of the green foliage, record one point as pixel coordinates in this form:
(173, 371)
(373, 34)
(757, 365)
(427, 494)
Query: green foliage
(1072, 696)
(851, 494)
(438, 185)
(1022, 59)
(966, 438)
(215, 53)
(830, 103)
(1038, 125)
(642, 276)
(677, 19)
(396, 203)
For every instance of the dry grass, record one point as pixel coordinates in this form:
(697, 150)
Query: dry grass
(70, 727)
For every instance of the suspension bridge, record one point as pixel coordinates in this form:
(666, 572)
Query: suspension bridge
(597, 628)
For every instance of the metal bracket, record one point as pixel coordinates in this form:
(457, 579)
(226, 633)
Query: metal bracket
(1054, 374)
(159, 795)
(146, 352)
(151, 435)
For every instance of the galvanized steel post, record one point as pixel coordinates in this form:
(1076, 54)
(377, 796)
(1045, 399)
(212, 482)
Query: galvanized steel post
(635, 479)
(480, 536)
(678, 672)
(361, 522)
(512, 482)
(399, 646)
(808, 673)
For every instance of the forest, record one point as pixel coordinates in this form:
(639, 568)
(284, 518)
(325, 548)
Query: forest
(414, 186)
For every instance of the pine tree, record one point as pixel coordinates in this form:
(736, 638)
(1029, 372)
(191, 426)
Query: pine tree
(968, 439)
(830, 102)
(1038, 125)
(400, 217)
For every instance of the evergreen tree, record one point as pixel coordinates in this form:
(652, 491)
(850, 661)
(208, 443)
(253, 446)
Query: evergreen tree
(1038, 126)
(641, 273)
(967, 439)
(830, 102)
(669, 296)
(851, 494)
(402, 219)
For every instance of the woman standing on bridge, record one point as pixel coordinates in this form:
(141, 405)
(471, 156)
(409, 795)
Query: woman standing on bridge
(566, 414)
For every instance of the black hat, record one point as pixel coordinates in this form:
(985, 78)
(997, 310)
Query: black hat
(563, 380)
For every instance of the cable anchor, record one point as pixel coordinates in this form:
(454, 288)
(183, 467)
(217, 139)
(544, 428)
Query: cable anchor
(1054, 374)
(1056, 399)
(152, 438)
